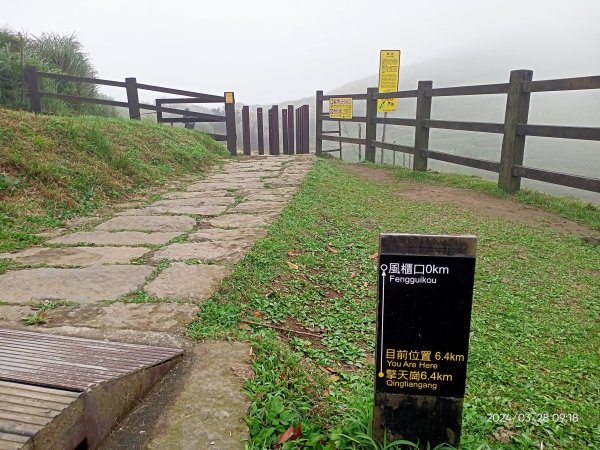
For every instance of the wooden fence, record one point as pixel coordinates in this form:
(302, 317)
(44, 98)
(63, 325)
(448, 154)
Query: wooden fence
(32, 80)
(510, 168)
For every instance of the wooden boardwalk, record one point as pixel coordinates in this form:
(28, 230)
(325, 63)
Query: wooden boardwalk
(57, 392)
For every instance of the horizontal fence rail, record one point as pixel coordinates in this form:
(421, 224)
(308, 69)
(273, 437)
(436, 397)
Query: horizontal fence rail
(32, 79)
(515, 129)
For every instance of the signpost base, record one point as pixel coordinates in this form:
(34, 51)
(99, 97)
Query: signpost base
(414, 417)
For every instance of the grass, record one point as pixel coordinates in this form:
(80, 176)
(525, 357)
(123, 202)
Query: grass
(569, 208)
(40, 315)
(53, 168)
(534, 340)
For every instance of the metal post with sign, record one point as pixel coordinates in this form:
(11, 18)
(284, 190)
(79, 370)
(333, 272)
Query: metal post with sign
(389, 72)
(425, 290)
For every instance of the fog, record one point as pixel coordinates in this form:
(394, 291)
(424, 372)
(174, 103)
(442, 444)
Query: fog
(271, 51)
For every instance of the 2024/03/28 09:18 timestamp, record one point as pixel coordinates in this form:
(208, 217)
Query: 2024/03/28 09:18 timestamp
(532, 417)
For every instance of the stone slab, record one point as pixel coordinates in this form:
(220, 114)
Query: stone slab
(184, 194)
(259, 207)
(166, 317)
(255, 174)
(267, 197)
(200, 210)
(233, 234)
(77, 285)
(148, 223)
(241, 221)
(182, 281)
(227, 185)
(196, 201)
(226, 251)
(77, 256)
(116, 238)
(216, 421)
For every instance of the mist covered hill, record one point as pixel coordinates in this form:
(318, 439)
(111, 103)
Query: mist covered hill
(576, 108)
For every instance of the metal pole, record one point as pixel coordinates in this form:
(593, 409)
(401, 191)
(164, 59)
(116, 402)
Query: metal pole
(360, 137)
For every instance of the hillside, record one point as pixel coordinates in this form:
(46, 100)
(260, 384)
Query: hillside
(52, 167)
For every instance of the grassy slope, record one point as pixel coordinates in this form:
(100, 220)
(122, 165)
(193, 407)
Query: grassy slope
(53, 167)
(534, 339)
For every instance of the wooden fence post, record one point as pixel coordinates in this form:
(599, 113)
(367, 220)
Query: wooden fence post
(513, 145)
(371, 126)
(159, 117)
(284, 131)
(319, 124)
(246, 129)
(274, 130)
(421, 132)
(32, 79)
(290, 115)
(298, 132)
(230, 125)
(133, 101)
(259, 126)
(305, 129)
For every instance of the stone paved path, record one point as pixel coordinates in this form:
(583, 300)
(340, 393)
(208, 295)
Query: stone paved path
(174, 252)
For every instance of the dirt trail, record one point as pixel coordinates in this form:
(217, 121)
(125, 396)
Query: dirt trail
(485, 205)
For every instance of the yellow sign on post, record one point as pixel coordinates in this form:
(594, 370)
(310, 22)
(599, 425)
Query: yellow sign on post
(389, 69)
(340, 108)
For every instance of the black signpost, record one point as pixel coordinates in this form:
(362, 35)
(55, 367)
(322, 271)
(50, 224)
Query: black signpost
(425, 289)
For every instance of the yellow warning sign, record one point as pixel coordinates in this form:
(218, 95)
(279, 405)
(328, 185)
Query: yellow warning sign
(229, 97)
(389, 70)
(340, 108)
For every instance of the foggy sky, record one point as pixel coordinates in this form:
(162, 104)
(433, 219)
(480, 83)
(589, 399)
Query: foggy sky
(270, 51)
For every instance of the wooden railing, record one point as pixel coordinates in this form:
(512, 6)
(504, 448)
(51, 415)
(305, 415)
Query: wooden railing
(515, 128)
(32, 80)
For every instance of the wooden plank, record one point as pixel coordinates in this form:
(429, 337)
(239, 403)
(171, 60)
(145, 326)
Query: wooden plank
(481, 89)
(32, 401)
(564, 84)
(394, 147)
(482, 127)
(318, 124)
(348, 140)
(28, 409)
(218, 137)
(290, 118)
(75, 98)
(259, 124)
(284, 131)
(24, 418)
(246, 129)
(352, 96)
(399, 94)
(181, 120)
(563, 179)
(72, 363)
(476, 163)
(61, 76)
(12, 445)
(585, 133)
(396, 121)
(353, 119)
(207, 98)
(206, 117)
(10, 425)
(188, 100)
